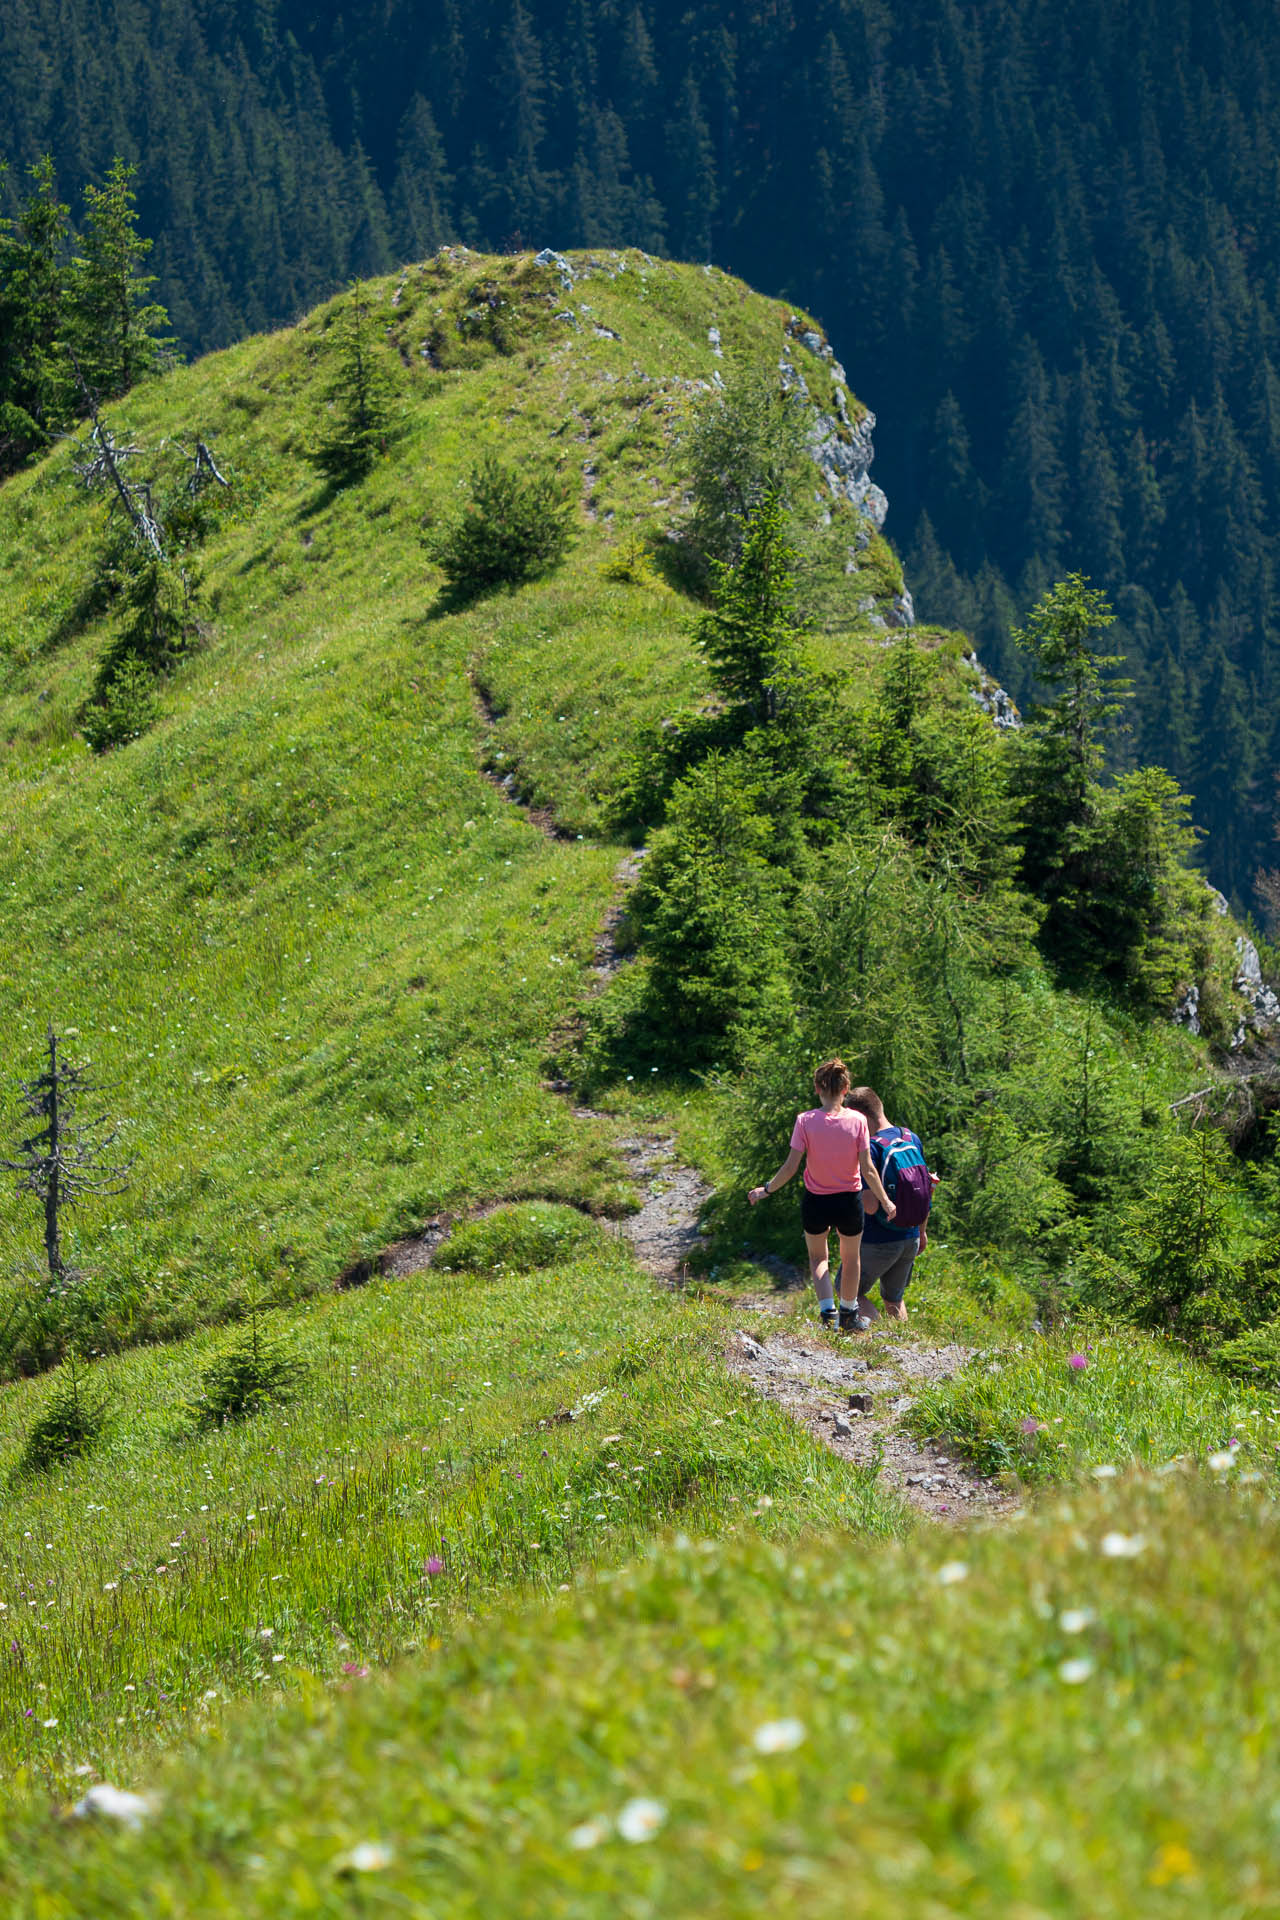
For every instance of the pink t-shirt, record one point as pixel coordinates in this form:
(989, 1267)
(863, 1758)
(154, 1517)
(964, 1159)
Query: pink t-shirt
(832, 1145)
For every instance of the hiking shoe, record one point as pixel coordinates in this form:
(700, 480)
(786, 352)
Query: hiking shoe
(830, 1317)
(851, 1321)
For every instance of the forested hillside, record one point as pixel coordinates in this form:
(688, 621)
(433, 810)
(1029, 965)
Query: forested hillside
(1046, 239)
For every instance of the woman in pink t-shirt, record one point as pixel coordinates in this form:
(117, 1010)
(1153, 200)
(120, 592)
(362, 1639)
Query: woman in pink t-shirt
(834, 1142)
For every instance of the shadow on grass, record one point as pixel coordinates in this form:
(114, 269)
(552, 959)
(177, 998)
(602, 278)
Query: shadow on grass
(682, 565)
(459, 596)
(324, 497)
(90, 604)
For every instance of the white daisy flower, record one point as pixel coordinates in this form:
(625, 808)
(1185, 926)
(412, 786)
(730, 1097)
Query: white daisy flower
(641, 1819)
(369, 1857)
(114, 1803)
(1122, 1546)
(778, 1736)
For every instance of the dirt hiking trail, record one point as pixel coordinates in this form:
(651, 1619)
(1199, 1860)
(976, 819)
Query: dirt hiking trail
(850, 1391)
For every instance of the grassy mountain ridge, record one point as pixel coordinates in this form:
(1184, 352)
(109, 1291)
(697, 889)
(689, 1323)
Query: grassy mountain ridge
(304, 851)
(316, 954)
(1045, 238)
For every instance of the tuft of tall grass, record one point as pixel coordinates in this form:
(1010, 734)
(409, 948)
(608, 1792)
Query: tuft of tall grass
(1046, 1409)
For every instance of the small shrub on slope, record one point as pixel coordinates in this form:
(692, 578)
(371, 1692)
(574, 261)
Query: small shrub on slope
(1253, 1358)
(127, 707)
(630, 565)
(1174, 1266)
(70, 1424)
(513, 527)
(245, 1379)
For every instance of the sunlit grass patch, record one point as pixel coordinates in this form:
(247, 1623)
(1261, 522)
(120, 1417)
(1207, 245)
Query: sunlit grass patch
(451, 1438)
(936, 1728)
(1050, 1407)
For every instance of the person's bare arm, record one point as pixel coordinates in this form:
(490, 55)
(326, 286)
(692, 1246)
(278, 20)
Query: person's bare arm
(790, 1166)
(873, 1180)
(924, 1229)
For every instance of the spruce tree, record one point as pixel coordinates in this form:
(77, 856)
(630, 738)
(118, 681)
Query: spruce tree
(750, 636)
(36, 387)
(118, 333)
(357, 421)
(1060, 750)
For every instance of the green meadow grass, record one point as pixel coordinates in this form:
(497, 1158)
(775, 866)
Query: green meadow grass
(316, 957)
(1064, 1716)
(1025, 1409)
(432, 1425)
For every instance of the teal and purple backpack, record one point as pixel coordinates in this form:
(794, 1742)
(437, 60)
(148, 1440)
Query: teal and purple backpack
(906, 1177)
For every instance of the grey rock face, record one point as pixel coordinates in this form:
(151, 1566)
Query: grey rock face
(1187, 1012)
(843, 454)
(1249, 983)
(992, 698)
(550, 258)
(1262, 1004)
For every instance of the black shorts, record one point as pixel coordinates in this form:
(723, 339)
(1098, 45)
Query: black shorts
(819, 1212)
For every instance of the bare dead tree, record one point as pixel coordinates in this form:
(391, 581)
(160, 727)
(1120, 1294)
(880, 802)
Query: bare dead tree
(102, 464)
(66, 1157)
(204, 470)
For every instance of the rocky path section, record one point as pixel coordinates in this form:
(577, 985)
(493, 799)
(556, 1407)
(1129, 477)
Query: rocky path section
(852, 1397)
(665, 1231)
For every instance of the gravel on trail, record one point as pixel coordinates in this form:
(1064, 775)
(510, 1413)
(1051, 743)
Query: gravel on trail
(665, 1230)
(851, 1391)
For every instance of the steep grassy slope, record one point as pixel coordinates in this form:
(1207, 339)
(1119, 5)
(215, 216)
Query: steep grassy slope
(314, 953)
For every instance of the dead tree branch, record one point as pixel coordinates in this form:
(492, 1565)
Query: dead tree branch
(65, 1158)
(103, 465)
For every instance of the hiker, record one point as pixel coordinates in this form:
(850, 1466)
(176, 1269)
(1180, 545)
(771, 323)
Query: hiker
(890, 1245)
(834, 1143)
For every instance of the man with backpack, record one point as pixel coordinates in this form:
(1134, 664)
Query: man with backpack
(889, 1249)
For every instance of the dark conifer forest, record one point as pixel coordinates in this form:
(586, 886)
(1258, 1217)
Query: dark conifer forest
(1045, 241)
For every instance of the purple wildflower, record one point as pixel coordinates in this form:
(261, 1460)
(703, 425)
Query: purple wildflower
(1029, 1425)
(1077, 1363)
(435, 1564)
